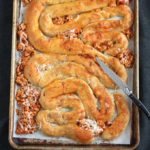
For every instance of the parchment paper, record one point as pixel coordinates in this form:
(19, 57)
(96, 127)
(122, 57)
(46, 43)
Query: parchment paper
(124, 138)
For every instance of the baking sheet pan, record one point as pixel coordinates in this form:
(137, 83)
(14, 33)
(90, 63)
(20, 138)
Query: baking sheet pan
(24, 143)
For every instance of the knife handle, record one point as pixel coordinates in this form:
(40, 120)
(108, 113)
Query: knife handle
(140, 105)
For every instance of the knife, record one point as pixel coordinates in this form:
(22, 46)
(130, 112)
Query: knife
(123, 86)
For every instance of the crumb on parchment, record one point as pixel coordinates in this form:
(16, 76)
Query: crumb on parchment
(26, 96)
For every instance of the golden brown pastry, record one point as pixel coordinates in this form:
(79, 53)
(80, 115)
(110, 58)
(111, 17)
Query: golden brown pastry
(111, 42)
(121, 121)
(48, 62)
(40, 26)
(62, 111)
(63, 70)
(63, 78)
(74, 93)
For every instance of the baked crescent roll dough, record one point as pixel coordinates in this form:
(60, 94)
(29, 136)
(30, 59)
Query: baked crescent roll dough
(74, 87)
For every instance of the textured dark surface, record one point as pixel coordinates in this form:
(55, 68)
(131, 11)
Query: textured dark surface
(5, 52)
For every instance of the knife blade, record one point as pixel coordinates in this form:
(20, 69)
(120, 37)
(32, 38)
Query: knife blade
(122, 85)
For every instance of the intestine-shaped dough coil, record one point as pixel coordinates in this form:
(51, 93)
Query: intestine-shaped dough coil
(50, 61)
(40, 12)
(60, 79)
(73, 86)
(44, 74)
(98, 17)
(37, 27)
(73, 46)
(54, 120)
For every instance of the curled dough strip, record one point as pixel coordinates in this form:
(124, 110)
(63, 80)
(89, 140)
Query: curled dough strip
(118, 40)
(43, 43)
(121, 121)
(75, 46)
(63, 109)
(68, 74)
(53, 70)
(98, 17)
(114, 25)
(51, 122)
(67, 86)
(33, 74)
(51, 128)
(54, 121)
(80, 6)
(37, 11)
(62, 45)
(58, 122)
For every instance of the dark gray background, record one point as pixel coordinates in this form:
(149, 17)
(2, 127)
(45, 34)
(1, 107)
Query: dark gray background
(5, 52)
